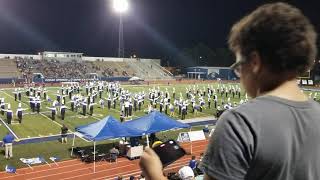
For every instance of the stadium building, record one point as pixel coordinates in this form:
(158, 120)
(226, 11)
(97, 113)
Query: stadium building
(211, 73)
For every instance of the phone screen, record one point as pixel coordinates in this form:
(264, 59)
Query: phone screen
(169, 152)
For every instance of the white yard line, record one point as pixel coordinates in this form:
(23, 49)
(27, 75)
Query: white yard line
(61, 126)
(9, 129)
(37, 137)
(39, 113)
(50, 119)
(13, 98)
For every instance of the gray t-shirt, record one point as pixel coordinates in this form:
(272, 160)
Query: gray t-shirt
(268, 138)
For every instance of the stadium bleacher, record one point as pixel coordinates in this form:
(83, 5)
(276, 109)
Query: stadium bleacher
(8, 69)
(150, 70)
(109, 68)
(25, 67)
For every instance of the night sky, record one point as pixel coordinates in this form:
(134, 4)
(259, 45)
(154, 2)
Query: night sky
(152, 28)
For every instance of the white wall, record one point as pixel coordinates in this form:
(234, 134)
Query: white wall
(84, 58)
(151, 60)
(88, 58)
(115, 59)
(13, 56)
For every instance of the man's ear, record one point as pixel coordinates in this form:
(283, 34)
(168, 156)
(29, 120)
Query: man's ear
(255, 62)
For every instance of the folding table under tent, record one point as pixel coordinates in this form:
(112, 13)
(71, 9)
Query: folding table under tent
(107, 128)
(154, 122)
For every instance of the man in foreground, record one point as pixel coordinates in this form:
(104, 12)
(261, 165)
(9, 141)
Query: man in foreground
(276, 135)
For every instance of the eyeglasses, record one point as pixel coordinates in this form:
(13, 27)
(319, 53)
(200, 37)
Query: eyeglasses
(236, 67)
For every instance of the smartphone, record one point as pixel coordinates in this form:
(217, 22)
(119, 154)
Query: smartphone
(169, 152)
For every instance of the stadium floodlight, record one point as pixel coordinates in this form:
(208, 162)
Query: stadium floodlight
(120, 6)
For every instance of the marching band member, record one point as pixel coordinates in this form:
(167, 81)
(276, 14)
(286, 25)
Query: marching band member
(44, 93)
(161, 104)
(58, 96)
(9, 114)
(115, 102)
(63, 111)
(130, 107)
(15, 92)
(209, 101)
(126, 108)
(19, 113)
(135, 102)
(32, 103)
(109, 101)
(53, 111)
(101, 102)
(171, 108)
(84, 107)
(2, 105)
(91, 108)
(37, 103)
(150, 108)
(184, 111)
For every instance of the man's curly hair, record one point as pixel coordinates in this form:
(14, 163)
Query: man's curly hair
(284, 38)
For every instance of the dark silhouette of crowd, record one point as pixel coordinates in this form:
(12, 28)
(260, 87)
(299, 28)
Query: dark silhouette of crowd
(71, 69)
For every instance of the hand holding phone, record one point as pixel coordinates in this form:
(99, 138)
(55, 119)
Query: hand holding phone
(169, 152)
(151, 165)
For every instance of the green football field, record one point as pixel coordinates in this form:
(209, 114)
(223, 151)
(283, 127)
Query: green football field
(37, 125)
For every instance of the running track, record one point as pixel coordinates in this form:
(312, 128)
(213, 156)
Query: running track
(77, 170)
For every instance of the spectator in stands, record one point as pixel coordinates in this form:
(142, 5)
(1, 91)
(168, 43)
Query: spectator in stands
(119, 178)
(142, 177)
(199, 170)
(186, 173)
(201, 157)
(193, 162)
(275, 135)
(206, 129)
(7, 143)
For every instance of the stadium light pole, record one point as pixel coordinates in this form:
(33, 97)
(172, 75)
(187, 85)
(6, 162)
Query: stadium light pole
(121, 7)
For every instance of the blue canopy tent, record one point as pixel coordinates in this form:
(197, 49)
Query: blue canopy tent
(107, 128)
(154, 122)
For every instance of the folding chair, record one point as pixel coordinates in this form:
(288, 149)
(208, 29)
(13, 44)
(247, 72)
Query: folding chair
(32, 161)
(43, 160)
(10, 169)
(82, 155)
(85, 158)
(27, 162)
(55, 159)
(101, 157)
